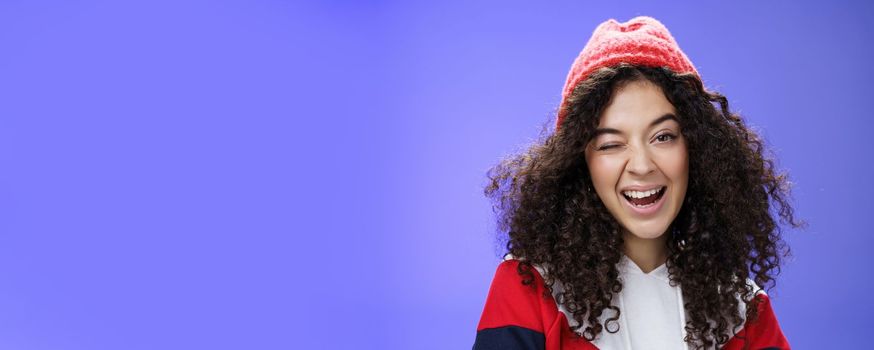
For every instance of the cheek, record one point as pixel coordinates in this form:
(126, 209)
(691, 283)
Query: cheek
(675, 164)
(604, 172)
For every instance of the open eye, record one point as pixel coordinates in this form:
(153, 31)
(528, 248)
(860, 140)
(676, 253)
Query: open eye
(665, 137)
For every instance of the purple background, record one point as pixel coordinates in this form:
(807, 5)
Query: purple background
(281, 175)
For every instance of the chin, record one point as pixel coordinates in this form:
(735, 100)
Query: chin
(648, 232)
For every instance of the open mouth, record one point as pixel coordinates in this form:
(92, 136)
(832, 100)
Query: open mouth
(644, 199)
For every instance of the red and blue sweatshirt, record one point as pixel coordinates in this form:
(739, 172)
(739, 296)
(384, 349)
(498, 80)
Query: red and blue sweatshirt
(518, 317)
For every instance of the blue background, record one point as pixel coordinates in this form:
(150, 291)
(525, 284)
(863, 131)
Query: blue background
(283, 175)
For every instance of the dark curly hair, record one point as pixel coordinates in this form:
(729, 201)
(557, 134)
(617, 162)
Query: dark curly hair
(724, 233)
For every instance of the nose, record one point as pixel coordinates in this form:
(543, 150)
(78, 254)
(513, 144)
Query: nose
(640, 162)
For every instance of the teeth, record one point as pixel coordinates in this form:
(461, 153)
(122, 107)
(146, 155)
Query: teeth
(638, 194)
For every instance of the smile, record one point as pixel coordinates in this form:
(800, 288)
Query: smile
(645, 203)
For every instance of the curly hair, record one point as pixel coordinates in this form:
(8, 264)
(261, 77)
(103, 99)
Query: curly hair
(724, 233)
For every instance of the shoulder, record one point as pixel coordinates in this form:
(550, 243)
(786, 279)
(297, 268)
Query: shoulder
(518, 315)
(508, 278)
(510, 301)
(764, 331)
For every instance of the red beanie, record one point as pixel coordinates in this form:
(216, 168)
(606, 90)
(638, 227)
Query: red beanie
(640, 41)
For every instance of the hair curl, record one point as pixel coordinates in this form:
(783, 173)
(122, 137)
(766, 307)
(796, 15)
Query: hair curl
(724, 233)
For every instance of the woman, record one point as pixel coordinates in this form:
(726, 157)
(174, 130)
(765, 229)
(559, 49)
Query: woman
(643, 221)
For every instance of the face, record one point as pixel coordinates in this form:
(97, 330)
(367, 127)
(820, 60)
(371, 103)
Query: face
(638, 160)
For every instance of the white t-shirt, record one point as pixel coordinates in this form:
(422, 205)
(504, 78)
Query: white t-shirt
(652, 314)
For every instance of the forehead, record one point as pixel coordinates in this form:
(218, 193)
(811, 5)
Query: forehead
(635, 105)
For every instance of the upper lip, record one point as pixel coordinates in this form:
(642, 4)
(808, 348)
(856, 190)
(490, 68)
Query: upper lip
(641, 188)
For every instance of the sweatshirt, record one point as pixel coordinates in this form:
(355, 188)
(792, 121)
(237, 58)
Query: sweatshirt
(516, 316)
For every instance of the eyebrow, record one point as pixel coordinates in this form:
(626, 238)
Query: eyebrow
(659, 120)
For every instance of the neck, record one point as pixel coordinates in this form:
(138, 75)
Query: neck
(647, 253)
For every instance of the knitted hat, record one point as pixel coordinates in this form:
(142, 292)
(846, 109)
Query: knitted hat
(640, 41)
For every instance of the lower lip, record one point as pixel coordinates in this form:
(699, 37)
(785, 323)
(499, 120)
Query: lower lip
(647, 211)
